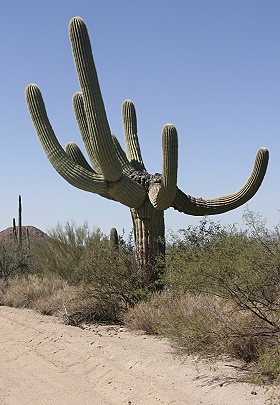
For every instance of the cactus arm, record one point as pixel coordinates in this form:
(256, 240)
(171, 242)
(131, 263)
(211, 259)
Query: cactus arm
(75, 153)
(125, 190)
(99, 131)
(115, 189)
(79, 110)
(162, 194)
(63, 164)
(127, 167)
(133, 151)
(197, 206)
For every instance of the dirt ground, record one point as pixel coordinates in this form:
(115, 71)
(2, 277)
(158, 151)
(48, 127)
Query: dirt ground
(43, 362)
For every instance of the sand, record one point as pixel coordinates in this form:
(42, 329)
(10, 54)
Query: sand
(44, 362)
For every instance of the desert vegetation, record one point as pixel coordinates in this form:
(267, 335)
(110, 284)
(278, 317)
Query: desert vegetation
(219, 292)
(213, 290)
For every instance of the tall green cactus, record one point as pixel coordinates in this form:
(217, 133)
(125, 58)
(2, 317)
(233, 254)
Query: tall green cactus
(19, 222)
(114, 238)
(17, 234)
(121, 175)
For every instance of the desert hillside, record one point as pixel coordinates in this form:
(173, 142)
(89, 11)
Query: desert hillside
(33, 233)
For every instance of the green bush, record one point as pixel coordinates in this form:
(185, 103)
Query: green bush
(270, 364)
(222, 293)
(231, 264)
(14, 260)
(106, 281)
(61, 254)
(112, 283)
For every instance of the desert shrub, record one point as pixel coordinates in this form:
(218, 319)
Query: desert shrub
(231, 264)
(105, 279)
(112, 283)
(14, 260)
(201, 324)
(270, 364)
(221, 293)
(61, 254)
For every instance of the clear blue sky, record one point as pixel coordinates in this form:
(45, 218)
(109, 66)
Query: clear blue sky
(211, 67)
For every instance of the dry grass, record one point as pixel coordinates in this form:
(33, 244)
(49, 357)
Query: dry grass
(47, 296)
(54, 296)
(201, 323)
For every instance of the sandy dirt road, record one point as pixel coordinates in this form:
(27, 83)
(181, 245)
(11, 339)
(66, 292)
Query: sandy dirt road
(43, 362)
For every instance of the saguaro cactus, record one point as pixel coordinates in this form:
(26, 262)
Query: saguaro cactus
(114, 238)
(17, 234)
(121, 175)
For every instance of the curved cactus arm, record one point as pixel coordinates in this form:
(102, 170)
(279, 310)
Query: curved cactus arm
(198, 206)
(99, 130)
(127, 167)
(80, 114)
(133, 151)
(162, 194)
(75, 153)
(72, 172)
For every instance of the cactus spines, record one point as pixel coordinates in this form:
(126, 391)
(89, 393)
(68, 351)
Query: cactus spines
(121, 175)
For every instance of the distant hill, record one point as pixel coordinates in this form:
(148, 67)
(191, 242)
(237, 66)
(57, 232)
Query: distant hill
(6, 236)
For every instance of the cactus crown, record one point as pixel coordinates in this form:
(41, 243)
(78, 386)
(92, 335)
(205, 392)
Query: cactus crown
(112, 172)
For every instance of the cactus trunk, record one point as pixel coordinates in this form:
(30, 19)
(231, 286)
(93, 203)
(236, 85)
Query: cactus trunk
(148, 225)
